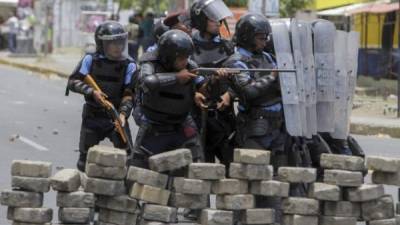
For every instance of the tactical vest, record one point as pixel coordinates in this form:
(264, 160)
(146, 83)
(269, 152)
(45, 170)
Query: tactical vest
(169, 104)
(110, 76)
(260, 61)
(211, 54)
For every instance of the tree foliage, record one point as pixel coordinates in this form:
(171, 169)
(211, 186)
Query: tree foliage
(288, 8)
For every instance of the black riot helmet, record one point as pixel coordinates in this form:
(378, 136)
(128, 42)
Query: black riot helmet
(159, 29)
(174, 44)
(202, 10)
(248, 27)
(111, 40)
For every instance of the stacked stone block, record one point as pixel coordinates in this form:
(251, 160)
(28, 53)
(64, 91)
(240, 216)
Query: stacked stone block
(30, 180)
(106, 170)
(298, 210)
(342, 174)
(152, 187)
(386, 171)
(250, 176)
(75, 207)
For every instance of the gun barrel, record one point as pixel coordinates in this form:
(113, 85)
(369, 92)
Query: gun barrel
(234, 70)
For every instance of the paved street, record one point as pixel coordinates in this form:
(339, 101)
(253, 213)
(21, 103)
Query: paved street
(37, 122)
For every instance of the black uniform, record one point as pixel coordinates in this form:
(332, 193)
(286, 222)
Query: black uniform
(164, 104)
(114, 78)
(219, 127)
(260, 121)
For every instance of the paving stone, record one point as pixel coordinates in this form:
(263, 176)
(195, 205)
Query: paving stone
(343, 178)
(26, 168)
(386, 178)
(332, 220)
(191, 186)
(206, 171)
(270, 188)
(299, 220)
(30, 215)
(365, 192)
(342, 162)
(342, 209)
(75, 215)
(391, 221)
(107, 172)
(15, 198)
(150, 194)
(258, 216)
(171, 160)
(145, 222)
(297, 174)
(69, 224)
(229, 186)
(122, 203)
(34, 184)
(324, 192)
(216, 217)
(188, 201)
(160, 213)
(398, 208)
(106, 156)
(300, 206)
(77, 199)
(235, 202)
(23, 223)
(117, 218)
(68, 180)
(378, 209)
(104, 187)
(383, 164)
(251, 156)
(147, 177)
(250, 171)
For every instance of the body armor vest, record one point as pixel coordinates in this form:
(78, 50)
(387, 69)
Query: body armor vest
(169, 104)
(110, 76)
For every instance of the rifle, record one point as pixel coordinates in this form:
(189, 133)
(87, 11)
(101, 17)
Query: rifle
(211, 71)
(111, 111)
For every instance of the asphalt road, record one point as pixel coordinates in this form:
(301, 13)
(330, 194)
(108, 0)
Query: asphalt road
(37, 122)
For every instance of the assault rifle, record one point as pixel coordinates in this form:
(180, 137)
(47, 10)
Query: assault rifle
(112, 112)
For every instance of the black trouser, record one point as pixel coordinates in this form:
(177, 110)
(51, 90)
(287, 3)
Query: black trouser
(96, 126)
(157, 138)
(218, 135)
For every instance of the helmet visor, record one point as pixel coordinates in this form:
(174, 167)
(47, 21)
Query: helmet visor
(216, 10)
(115, 46)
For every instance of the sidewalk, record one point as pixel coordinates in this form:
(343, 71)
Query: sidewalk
(61, 63)
(367, 119)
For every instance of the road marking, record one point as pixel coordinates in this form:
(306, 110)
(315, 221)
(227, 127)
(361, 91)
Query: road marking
(32, 143)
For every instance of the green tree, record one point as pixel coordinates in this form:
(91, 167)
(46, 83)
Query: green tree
(288, 8)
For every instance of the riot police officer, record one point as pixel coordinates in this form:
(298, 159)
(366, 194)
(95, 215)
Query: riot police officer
(260, 120)
(166, 90)
(113, 71)
(217, 121)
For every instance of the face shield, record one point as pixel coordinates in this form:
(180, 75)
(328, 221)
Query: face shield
(115, 46)
(216, 10)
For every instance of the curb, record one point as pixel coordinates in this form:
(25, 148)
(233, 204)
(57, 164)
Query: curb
(366, 129)
(33, 68)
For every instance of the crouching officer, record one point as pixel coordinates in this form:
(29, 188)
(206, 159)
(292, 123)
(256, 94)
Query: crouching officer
(112, 70)
(260, 120)
(166, 91)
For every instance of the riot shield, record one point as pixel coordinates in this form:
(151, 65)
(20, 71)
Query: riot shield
(324, 37)
(288, 81)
